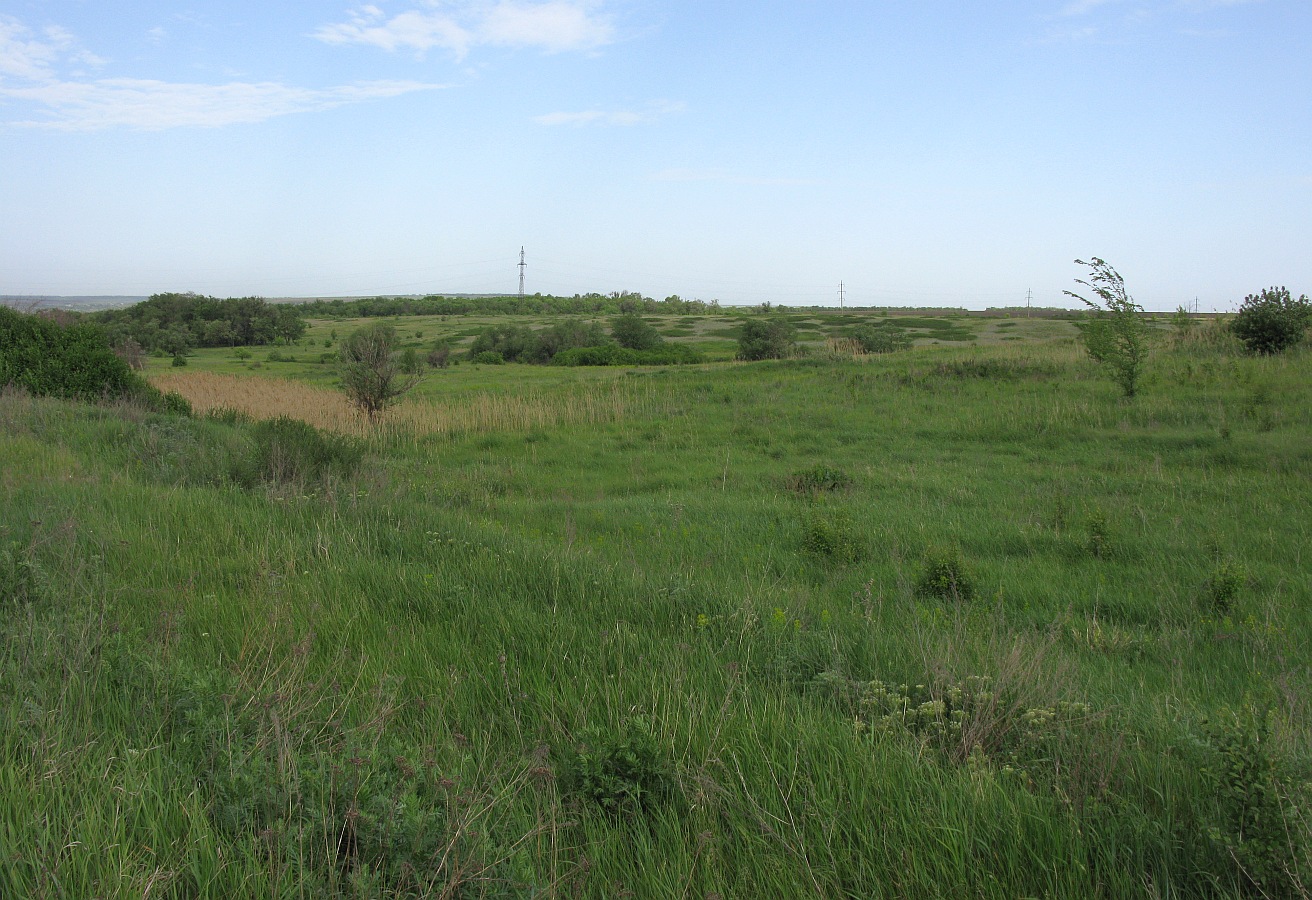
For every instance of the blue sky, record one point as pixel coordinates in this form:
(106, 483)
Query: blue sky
(921, 152)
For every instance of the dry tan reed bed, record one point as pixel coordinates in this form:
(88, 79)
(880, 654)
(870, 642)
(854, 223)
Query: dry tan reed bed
(267, 398)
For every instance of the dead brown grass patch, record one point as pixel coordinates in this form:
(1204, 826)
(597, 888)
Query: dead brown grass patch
(267, 398)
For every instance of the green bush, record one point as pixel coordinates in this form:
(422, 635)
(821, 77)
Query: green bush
(831, 534)
(1272, 321)
(762, 338)
(288, 450)
(943, 574)
(623, 771)
(490, 358)
(881, 338)
(817, 479)
(1254, 832)
(633, 332)
(615, 355)
(72, 362)
(22, 580)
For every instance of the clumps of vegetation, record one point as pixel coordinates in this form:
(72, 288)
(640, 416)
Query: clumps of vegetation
(1260, 827)
(881, 337)
(1098, 541)
(623, 770)
(289, 451)
(1116, 335)
(634, 333)
(1272, 321)
(818, 479)
(176, 323)
(22, 580)
(371, 374)
(944, 574)
(576, 343)
(969, 721)
(831, 534)
(1224, 585)
(71, 362)
(767, 338)
(615, 355)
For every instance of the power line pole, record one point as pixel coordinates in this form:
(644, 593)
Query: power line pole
(840, 295)
(522, 264)
(1029, 296)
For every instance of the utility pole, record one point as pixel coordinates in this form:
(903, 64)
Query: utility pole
(1029, 297)
(522, 264)
(840, 295)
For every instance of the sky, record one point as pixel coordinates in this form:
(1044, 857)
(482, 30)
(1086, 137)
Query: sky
(919, 152)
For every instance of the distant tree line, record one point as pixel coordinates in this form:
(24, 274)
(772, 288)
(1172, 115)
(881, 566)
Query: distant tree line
(613, 304)
(177, 323)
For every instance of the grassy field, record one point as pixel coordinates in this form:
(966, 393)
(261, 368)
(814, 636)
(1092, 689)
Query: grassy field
(956, 621)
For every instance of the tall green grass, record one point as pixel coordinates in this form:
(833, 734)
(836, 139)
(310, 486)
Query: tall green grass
(421, 679)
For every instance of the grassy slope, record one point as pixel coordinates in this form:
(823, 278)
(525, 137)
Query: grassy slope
(379, 686)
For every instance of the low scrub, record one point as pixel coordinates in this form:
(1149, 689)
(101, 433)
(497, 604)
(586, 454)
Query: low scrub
(287, 450)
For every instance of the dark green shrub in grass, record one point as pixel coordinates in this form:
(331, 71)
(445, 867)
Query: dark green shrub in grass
(831, 534)
(944, 574)
(71, 362)
(1272, 321)
(622, 770)
(288, 450)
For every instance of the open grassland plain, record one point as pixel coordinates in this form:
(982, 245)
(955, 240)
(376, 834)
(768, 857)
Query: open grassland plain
(956, 621)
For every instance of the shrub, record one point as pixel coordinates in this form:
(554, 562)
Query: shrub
(635, 333)
(615, 355)
(71, 362)
(490, 358)
(510, 342)
(1224, 585)
(1272, 321)
(1116, 336)
(370, 373)
(288, 450)
(818, 478)
(22, 580)
(763, 338)
(622, 771)
(944, 574)
(831, 533)
(179, 361)
(440, 356)
(1253, 832)
(882, 338)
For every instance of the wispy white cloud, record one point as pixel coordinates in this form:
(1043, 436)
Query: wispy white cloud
(32, 55)
(553, 25)
(654, 111)
(42, 70)
(157, 105)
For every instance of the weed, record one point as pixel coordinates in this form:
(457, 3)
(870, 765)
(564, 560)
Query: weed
(832, 534)
(943, 574)
(1223, 586)
(288, 450)
(22, 580)
(817, 479)
(1255, 831)
(622, 770)
(1097, 534)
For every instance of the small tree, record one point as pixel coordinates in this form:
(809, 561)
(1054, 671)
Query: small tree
(371, 375)
(763, 338)
(1272, 321)
(1116, 335)
(634, 332)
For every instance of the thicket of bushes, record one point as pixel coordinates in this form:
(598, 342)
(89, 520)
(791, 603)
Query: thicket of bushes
(176, 323)
(577, 343)
(72, 362)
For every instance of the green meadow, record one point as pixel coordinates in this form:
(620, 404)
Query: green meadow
(953, 621)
